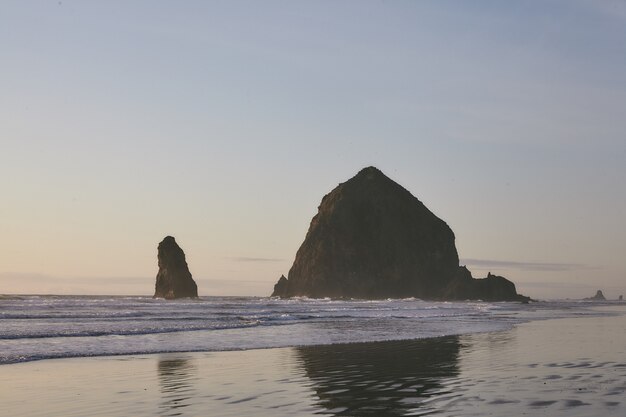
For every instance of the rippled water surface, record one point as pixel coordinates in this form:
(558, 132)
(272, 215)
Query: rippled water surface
(43, 327)
(564, 367)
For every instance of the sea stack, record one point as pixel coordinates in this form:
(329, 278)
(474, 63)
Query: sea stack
(173, 279)
(598, 297)
(372, 239)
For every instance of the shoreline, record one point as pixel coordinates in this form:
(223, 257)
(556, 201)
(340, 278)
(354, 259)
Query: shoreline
(564, 366)
(526, 316)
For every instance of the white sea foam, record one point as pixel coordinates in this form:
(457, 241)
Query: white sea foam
(40, 327)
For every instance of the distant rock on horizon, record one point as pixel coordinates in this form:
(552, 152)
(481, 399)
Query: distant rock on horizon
(372, 239)
(598, 297)
(173, 279)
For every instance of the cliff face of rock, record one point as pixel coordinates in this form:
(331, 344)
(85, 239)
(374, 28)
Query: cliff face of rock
(173, 279)
(372, 239)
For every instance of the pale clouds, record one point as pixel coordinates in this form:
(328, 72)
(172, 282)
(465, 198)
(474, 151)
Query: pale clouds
(525, 266)
(253, 259)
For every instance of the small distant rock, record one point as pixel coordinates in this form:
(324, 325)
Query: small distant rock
(281, 286)
(598, 297)
(173, 279)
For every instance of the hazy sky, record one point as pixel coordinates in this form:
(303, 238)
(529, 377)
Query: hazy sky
(224, 123)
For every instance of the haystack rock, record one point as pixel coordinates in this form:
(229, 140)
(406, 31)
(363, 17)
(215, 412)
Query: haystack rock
(173, 279)
(372, 239)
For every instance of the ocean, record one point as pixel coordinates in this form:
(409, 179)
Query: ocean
(76, 356)
(46, 327)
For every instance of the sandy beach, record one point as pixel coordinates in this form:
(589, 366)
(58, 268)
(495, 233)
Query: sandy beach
(569, 367)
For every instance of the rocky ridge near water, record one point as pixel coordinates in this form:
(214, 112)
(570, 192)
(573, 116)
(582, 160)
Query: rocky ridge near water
(372, 239)
(598, 297)
(173, 279)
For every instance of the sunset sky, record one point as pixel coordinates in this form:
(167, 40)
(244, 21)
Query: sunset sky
(224, 124)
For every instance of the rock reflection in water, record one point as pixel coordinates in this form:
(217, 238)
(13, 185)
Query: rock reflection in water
(176, 379)
(380, 379)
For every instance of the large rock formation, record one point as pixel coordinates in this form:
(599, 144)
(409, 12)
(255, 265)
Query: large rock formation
(372, 239)
(173, 279)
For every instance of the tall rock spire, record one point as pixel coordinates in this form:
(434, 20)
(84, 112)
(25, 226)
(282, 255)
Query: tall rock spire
(173, 279)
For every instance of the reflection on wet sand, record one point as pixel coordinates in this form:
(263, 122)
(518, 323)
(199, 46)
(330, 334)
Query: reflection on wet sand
(177, 379)
(568, 367)
(380, 379)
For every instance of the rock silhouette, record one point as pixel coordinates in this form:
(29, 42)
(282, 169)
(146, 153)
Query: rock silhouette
(598, 297)
(491, 288)
(173, 279)
(281, 285)
(372, 239)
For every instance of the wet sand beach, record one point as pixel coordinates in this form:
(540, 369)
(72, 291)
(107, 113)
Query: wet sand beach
(562, 367)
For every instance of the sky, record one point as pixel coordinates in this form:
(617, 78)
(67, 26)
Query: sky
(224, 123)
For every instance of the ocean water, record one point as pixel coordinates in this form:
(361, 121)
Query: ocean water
(45, 327)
